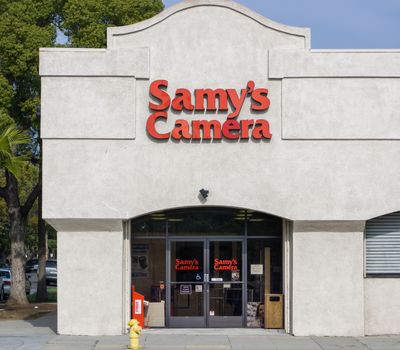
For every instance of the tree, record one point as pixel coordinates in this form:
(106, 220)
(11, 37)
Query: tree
(12, 163)
(25, 26)
(28, 179)
(85, 22)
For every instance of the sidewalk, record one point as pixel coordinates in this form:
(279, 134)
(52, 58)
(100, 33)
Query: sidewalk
(40, 335)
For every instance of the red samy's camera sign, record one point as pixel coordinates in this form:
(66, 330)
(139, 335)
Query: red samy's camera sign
(206, 100)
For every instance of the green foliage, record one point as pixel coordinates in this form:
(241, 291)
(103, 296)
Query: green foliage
(25, 26)
(4, 237)
(85, 22)
(10, 138)
(28, 178)
(6, 96)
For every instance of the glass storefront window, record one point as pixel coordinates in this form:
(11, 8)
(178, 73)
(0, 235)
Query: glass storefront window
(257, 264)
(148, 268)
(225, 261)
(207, 221)
(187, 261)
(264, 276)
(149, 225)
(204, 221)
(259, 224)
(226, 299)
(187, 276)
(211, 275)
(187, 299)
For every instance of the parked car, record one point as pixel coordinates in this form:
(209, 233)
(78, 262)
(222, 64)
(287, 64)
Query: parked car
(1, 289)
(32, 265)
(5, 273)
(51, 272)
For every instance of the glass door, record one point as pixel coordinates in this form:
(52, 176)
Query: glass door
(186, 284)
(225, 286)
(205, 285)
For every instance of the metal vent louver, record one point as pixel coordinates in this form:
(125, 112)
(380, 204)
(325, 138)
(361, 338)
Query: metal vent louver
(383, 245)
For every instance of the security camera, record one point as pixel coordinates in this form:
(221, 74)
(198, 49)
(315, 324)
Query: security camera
(204, 193)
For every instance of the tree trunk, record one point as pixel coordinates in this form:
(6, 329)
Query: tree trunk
(17, 237)
(17, 216)
(42, 285)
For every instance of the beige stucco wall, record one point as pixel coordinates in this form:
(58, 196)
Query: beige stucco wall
(327, 279)
(326, 118)
(90, 283)
(333, 157)
(382, 306)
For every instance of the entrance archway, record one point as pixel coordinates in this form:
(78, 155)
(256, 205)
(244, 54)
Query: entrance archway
(207, 266)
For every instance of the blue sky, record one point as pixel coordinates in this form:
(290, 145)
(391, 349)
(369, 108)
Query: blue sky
(336, 24)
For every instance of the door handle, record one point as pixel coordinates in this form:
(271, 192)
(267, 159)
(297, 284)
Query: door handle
(206, 277)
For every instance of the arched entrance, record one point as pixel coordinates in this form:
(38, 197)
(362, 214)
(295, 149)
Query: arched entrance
(207, 266)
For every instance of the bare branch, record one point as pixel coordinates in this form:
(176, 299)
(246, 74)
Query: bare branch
(3, 193)
(31, 199)
(34, 160)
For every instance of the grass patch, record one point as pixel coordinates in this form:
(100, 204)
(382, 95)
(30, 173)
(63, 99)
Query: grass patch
(51, 295)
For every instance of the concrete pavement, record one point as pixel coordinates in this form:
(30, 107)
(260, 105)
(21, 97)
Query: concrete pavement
(24, 335)
(40, 334)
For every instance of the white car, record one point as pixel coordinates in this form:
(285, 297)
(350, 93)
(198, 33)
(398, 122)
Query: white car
(32, 265)
(51, 272)
(5, 274)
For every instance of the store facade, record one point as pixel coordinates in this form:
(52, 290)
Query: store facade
(210, 158)
(215, 266)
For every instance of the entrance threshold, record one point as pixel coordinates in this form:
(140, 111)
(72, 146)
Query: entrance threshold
(214, 331)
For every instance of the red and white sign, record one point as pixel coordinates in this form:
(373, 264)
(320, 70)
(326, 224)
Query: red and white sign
(138, 307)
(206, 100)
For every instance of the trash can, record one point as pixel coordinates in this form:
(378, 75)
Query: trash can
(273, 314)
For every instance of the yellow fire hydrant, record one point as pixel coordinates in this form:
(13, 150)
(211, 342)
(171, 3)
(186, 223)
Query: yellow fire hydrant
(134, 332)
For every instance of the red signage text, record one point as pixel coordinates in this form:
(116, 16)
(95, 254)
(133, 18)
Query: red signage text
(225, 264)
(188, 265)
(208, 100)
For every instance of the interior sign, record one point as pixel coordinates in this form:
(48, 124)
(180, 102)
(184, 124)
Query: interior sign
(185, 289)
(256, 269)
(206, 100)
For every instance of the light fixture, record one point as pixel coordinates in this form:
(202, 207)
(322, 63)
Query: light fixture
(204, 193)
